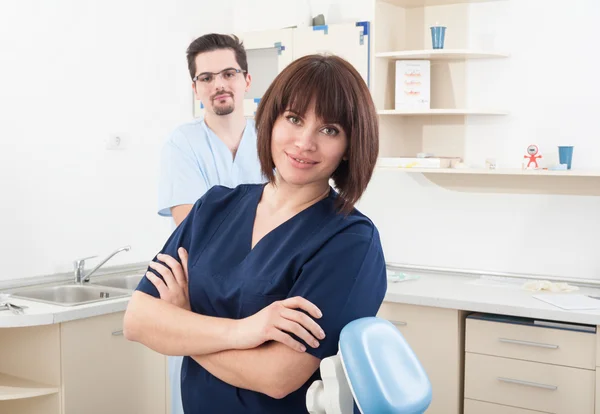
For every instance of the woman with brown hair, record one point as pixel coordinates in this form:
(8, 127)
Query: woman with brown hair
(276, 270)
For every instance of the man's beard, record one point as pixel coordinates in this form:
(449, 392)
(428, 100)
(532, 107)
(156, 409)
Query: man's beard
(224, 110)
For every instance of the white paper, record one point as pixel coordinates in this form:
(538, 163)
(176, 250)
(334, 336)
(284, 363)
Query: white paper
(570, 301)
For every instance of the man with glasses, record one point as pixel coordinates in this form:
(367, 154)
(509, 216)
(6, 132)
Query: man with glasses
(219, 149)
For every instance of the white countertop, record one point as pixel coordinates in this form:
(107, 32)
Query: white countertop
(462, 292)
(45, 314)
(431, 289)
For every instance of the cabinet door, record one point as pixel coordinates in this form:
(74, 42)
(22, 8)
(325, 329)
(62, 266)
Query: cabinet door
(435, 335)
(349, 41)
(105, 373)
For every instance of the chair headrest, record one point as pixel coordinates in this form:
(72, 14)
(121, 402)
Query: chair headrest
(383, 371)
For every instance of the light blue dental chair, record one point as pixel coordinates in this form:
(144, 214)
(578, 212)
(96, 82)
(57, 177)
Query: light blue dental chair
(375, 368)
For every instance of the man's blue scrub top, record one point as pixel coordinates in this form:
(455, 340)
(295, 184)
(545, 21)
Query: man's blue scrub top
(334, 261)
(194, 158)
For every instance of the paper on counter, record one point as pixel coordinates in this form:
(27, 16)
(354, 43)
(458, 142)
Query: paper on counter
(569, 301)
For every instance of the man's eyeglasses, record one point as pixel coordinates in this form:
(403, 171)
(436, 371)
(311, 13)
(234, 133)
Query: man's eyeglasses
(228, 75)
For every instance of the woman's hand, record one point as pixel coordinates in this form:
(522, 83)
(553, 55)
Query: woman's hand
(174, 288)
(276, 321)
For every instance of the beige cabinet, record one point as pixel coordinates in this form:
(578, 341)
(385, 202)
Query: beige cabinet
(83, 366)
(529, 385)
(105, 373)
(30, 370)
(597, 408)
(436, 337)
(531, 367)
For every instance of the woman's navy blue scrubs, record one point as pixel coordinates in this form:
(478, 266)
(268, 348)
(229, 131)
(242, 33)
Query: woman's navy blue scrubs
(334, 261)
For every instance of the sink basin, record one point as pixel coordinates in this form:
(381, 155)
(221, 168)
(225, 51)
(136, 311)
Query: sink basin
(70, 295)
(129, 281)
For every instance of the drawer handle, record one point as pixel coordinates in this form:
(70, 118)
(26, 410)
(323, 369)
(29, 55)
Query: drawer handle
(117, 333)
(529, 384)
(398, 323)
(538, 344)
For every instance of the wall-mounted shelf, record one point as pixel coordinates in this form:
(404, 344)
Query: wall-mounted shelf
(441, 54)
(13, 388)
(401, 32)
(425, 3)
(414, 112)
(501, 171)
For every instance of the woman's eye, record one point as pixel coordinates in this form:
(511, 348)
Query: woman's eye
(330, 131)
(293, 119)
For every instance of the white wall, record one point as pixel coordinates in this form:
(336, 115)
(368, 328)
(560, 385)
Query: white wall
(550, 86)
(252, 15)
(74, 73)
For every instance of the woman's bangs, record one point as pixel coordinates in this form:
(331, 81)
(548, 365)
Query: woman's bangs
(319, 85)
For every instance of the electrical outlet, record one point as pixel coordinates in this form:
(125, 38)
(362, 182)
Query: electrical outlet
(115, 142)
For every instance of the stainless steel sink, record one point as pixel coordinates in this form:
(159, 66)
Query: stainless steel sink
(127, 281)
(70, 294)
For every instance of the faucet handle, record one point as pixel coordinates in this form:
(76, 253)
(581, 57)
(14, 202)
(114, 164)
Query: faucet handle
(81, 262)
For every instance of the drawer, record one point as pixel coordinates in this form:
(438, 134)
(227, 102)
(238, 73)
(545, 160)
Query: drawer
(531, 385)
(531, 343)
(480, 407)
(425, 328)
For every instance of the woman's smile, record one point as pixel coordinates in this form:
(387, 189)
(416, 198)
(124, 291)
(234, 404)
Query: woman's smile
(301, 162)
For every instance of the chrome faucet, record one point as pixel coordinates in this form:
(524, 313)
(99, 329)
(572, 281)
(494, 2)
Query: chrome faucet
(79, 265)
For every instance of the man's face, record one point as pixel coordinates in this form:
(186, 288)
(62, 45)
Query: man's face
(221, 94)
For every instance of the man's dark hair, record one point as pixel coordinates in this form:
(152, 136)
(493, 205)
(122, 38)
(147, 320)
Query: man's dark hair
(216, 41)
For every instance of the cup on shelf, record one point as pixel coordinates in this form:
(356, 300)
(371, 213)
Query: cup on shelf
(438, 35)
(565, 155)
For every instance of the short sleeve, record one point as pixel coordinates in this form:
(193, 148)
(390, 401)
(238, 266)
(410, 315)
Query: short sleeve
(347, 280)
(181, 179)
(181, 237)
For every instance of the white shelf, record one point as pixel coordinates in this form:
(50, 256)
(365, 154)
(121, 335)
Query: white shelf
(441, 54)
(13, 388)
(441, 112)
(501, 171)
(424, 3)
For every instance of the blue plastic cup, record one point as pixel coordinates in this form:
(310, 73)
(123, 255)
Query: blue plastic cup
(438, 34)
(565, 156)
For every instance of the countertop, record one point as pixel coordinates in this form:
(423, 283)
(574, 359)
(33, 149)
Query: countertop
(46, 314)
(478, 295)
(431, 289)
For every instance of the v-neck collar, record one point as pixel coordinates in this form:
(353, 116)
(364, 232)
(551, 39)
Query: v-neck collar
(252, 217)
(214, 137)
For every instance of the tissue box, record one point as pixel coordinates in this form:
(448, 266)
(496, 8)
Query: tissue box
(413, 81)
